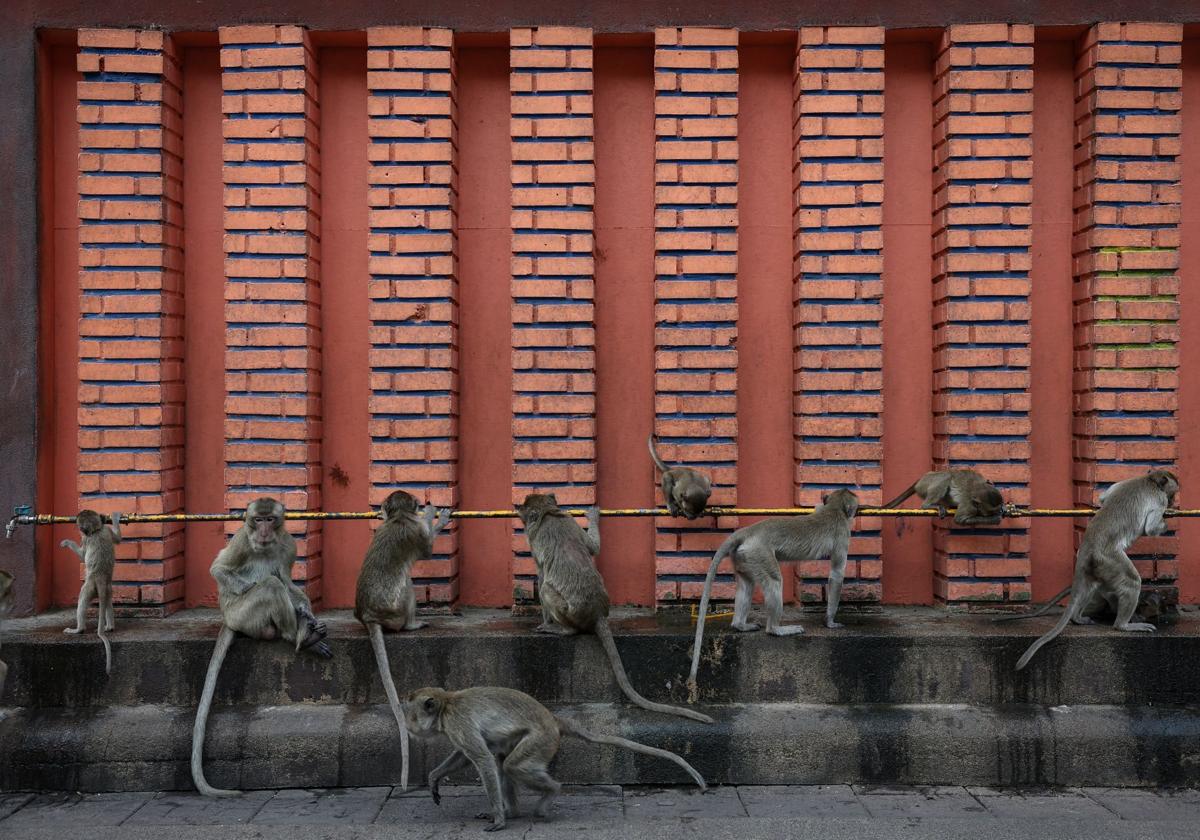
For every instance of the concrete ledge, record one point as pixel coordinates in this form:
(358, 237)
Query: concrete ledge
(331, 745)
(911, 655)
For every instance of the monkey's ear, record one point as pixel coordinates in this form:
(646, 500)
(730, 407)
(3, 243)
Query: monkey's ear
(430, 704)
(553, 499)
(824, 498)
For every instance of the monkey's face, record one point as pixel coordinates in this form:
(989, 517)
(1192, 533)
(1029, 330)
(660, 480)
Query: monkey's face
(264, 519)
(89, 522)
(422, 709)
(398, 503)
(992, 503)
(536, 505)
(695, 500)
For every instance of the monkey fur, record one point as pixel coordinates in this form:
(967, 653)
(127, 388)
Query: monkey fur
(510, 738)
(573, 596)
(1128, 510)
(1151, 606)
(977, 501)
(257, 599)
(99, 556)
(756, 552)
(385, 598)
(7, 599)
(684, 490)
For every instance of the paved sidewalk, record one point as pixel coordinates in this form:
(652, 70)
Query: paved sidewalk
(830, 812)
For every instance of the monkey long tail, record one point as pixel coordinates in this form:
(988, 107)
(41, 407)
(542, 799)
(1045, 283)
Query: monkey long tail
(224, 639)
(389, 687)
(104, 638)
(614, 658)
(1042, 610)
(1079, 593)
(896, 501)
(569, 727)
(658, 462)
(724, 551)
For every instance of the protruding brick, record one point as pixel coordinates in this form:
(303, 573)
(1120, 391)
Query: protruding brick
(273, 278)
(837, 160)
(982, 215)
(1126, 254)
(131, 304)
(414, 299)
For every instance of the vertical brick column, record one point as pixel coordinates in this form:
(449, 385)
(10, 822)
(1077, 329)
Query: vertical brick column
(695, 267)
(1126, 250)
(838, 267)
(983, 124)
(414, 282)
(553, 273)
(273, 277)
(131, 324)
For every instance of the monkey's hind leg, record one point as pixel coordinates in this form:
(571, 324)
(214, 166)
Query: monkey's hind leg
(86, 593)
(741, 604)
(1127, 592)
(527, 765)
(224, 639)
(453, 763)
(410, 597)
(773, 603)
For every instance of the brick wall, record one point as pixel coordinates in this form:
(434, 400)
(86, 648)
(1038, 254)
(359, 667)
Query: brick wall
(976, 273)
(1127, 128)
(414, 284)
(273, 277)
(131, 303)
(838, 265)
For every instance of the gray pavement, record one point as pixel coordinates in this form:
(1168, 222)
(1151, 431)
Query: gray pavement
(830, 812)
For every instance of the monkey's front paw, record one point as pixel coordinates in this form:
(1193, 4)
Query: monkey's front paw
(435, 793)
(321, 649)
(73, 630)
(748, 627)
(497, 826)
(1139, 627)
(833, 625)
(416, 625)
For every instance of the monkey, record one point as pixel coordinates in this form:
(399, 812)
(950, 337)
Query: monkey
(684, 490)
(257, 599)
(1150, 607)
(977, 500)
(99, 557)
(385, 596)
(510, 738)
(573, 596)
(758, 549)
(1128, 510)
(7, 599)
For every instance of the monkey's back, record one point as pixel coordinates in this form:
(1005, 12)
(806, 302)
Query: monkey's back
(566, 567)
(384, 576)
(507, 714)
(99, 552)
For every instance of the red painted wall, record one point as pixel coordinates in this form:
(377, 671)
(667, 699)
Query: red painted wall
(752, 122)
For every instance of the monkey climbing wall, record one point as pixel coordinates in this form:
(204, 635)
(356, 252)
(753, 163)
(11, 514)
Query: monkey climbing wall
(323, 266)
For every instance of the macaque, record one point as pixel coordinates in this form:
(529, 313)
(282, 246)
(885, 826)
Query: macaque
(685, 491)
(977, 501)
(99, 556)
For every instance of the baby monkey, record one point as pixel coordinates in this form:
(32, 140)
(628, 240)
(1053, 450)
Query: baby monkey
(7, 598)
(758, 549)
(977, 501)
(385, 596)
(99, 556)
(684, 490)
(510, 738)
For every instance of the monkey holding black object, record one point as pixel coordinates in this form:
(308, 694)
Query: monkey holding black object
(258, 599)
(1128, 510)
(510, 738)
(977, 501)
(684, 490)
(758, 549)
(99, 556)
(385, 596)
(7, 599)
(572, 592)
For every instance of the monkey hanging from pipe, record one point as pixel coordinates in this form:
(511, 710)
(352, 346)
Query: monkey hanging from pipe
(257, 599)
(510, 738)
(685, 491)
(385, 598)
(977, 500)
(572, 592)
(99, 555)
(1128, 510)
(756, 552)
